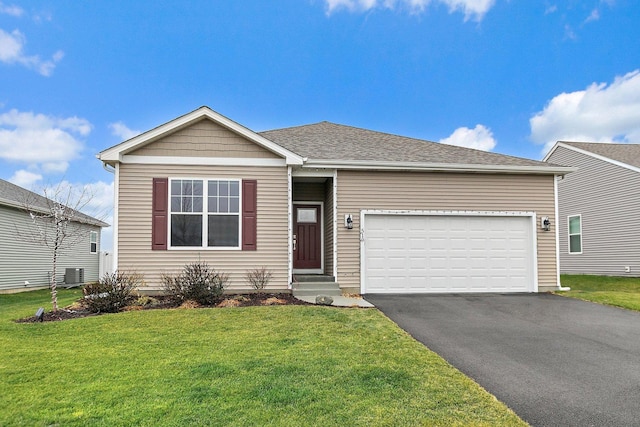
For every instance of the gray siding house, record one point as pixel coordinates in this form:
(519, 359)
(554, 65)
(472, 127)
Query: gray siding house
(26, 265)
(598, 205)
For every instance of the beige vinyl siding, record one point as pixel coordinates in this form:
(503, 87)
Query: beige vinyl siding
(134, 233)
(442, 191)
(328, 227)
(204, 139)
(607, 197)
(22, 260)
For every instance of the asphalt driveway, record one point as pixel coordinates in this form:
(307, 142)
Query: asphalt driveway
(555, 361)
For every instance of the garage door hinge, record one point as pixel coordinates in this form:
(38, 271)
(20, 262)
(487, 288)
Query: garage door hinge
(362, 235)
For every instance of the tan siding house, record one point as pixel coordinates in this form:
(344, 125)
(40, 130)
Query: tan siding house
(371, 212)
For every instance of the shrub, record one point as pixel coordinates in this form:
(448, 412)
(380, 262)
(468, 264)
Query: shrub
(197, 282)
(112, 292)
(258, 277)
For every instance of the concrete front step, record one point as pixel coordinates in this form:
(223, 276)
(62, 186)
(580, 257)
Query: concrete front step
(308, 288)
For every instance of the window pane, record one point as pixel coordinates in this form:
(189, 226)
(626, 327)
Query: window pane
(234, 188)
(197, 204)
(197, 188)
(187, 204)
(175, 187)
(224, 188)
(94, 248)
(574, 225)
(575, 244)
(213, 188)
(213, 204)
(175, 204)
(234, 205)
(187, 187)
(186, 230)
(223, 230)
(223, 204)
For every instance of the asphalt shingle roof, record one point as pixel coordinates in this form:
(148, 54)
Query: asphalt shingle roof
(16, 196)
(330, 141)
(625, 153)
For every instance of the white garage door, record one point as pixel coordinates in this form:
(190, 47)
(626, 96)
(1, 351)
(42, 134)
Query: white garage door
(448, 254)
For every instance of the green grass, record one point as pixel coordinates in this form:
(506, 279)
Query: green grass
(617, 291)
(287, 365)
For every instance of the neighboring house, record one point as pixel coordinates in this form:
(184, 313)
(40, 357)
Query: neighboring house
(379, 212)
(28, 265)
(598, 225)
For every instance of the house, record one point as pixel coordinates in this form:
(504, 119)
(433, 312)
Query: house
(598, 208)
(379, 213)
(25, 264)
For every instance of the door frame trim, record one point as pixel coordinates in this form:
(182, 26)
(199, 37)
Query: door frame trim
(322, 237)
(534, 285)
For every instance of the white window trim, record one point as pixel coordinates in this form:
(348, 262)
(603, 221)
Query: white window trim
(91, 234)
(569, 234)
(204, 214)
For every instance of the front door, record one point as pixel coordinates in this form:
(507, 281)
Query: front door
(307, 237)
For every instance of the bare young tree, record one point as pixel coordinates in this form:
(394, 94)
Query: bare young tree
(58, 223)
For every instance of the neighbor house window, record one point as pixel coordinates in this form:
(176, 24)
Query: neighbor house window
(575, 234)
(205, 213)
(93, 242)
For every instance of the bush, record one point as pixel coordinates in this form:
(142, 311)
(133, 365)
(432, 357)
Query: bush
(258, 277)
(197, 282)
(112, 292)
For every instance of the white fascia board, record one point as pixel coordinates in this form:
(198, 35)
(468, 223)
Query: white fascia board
(115, 153)
(438, 167)
(594, 155)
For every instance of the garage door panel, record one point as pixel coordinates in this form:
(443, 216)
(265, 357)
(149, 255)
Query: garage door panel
(441, 253)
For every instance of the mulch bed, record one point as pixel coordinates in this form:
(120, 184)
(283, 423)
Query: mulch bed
(76, 311)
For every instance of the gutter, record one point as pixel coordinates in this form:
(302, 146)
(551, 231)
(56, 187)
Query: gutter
(438, 167)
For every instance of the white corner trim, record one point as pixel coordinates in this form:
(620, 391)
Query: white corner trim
(557, 230)
(116, 209)
(290, 227)
(204, 161)
(335, 224)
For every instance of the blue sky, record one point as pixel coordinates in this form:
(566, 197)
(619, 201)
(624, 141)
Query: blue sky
(506, 76)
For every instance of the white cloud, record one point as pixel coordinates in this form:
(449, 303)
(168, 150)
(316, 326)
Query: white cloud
(479, 138)
(472, 9)
(120, 130)
(41, 141)
(11, 52)
(25, 178)
(594, 16)
(600, 113)
(11, 9)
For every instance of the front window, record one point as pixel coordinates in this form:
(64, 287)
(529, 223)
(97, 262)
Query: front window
(205, 213)
(575, 234)
(93, 242)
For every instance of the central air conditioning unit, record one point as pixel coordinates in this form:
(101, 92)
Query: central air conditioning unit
(73, 276)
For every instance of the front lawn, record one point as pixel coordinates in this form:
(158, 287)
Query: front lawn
(618, 291)
(280, 365)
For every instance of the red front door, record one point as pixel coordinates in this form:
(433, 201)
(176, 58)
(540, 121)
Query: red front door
(307, 238)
